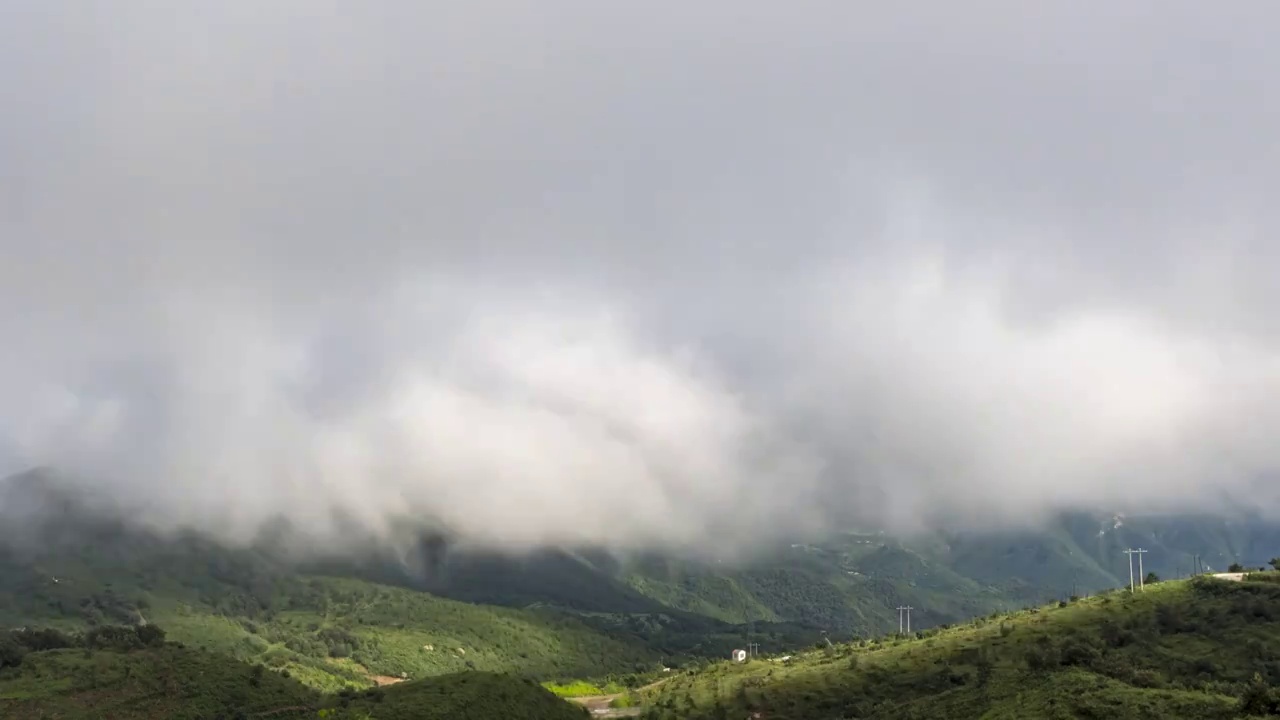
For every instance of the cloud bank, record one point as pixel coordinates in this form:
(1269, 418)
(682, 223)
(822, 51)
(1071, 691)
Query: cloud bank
(649, 277)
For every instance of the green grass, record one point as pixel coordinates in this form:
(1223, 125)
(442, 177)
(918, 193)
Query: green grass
(1180, 649)
(582, 688)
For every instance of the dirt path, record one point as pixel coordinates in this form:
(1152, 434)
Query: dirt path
(598, 705)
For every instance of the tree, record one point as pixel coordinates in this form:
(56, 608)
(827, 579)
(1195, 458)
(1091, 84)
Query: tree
(1152, 579)
(1235, 567)
(1274, 563)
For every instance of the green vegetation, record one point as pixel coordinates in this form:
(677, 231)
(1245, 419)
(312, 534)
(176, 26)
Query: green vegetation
(129, 673)
(582, 688)
(353, 630)
(846, 586)
(585, 623)
(131, 681)
(1203, 648)
(328, 632)
(461, 696)
(332, 632)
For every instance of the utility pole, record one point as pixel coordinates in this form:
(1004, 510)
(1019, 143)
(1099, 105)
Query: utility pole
(1142, 577)
(908, 609)
(1131, 552)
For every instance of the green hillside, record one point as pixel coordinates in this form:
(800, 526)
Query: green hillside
(1188, 649)
(82, 571)
(847, 585)
(327, 631)
(133, 681)
(553, 614)
(1083, 552)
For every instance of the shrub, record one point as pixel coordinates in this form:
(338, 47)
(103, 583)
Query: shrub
(11, 653)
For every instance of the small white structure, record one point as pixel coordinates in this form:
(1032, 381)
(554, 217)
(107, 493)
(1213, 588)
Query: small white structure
(739, 655)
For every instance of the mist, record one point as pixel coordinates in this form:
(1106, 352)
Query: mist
(641, 277)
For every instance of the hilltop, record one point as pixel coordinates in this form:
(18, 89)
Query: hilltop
(1203, 648)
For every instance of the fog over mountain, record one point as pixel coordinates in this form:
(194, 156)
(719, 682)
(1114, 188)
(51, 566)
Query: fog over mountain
(647, 274)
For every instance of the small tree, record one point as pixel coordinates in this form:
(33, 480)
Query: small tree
(1235, 567)
(1151, 579)
(1274, 563)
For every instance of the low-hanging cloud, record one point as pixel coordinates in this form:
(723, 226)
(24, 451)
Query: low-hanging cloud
(559, 273)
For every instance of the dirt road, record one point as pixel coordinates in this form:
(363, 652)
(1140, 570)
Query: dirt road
(598, 705)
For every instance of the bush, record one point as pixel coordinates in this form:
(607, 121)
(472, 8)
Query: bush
(1259, 699)
(11, 653)
(150, 635)
(1079, 653)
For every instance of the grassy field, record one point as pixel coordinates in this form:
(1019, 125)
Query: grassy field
(1190, 649)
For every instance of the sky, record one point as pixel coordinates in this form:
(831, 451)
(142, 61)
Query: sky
(649, 275)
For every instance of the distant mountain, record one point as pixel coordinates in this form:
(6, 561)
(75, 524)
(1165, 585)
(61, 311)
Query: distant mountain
(851, 583)
(64, 557)
(1085, 552)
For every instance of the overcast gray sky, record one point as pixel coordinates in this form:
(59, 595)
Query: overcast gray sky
(644, 273)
